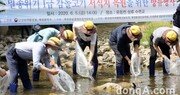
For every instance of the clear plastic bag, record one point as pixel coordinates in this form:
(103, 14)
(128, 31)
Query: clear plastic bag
(175, 67)
(55, 82)
(83, 68)
(172, 67)
(62, 81)
(4, 83)
(66, 81)
(167, 64)
(135, 67)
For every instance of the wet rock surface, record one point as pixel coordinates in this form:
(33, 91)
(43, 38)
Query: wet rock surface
(112, 88)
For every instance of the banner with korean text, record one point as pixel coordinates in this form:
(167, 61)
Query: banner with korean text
(45, 12)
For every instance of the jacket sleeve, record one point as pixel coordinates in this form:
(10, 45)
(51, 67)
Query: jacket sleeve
(121, 47)
(37, 53)
(39, 56)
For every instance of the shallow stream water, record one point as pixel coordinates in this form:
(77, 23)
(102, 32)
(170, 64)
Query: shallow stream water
(145, 85)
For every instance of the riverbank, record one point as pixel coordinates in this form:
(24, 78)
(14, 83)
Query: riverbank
(105, 54)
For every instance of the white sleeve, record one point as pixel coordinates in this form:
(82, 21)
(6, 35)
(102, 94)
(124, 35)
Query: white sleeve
(93, 39)
(77, 24)
(37, 53)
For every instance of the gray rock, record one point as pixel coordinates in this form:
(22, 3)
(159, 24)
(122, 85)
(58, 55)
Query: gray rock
(9, 39)
(1, 52)
(3, 56)
(100, 58)
(105, 56)
(1, 46)
(114, 59)
(6, 47)
(103, 49)
(111, 88)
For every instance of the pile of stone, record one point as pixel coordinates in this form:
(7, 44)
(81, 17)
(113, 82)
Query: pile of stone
(105, 54)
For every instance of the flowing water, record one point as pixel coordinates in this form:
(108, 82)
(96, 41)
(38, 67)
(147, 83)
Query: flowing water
(161, 84)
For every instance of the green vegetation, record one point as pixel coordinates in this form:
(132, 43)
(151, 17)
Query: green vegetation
(149, 27)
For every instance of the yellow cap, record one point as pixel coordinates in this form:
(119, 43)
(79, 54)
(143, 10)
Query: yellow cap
(54, 41)
(89, 25)
(171, 35)
(135, 30)
(69, 35)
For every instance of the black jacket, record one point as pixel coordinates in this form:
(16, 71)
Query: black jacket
(176, 17)
(120, 38)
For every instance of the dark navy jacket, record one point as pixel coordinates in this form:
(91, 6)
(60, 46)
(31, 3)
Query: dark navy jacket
(176, 17)
(119, 37)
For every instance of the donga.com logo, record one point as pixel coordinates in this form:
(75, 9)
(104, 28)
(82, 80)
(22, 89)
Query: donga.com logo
(147, 91)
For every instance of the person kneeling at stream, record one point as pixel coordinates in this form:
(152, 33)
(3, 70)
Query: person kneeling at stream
(20, 52)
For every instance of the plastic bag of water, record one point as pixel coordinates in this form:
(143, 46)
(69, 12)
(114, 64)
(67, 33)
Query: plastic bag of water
(66, 81)
(55, 82)
(172, 67)
(4, 83)
(167, 63)
(175, 67)
(63, 81)
(83, 68)
(135, 67)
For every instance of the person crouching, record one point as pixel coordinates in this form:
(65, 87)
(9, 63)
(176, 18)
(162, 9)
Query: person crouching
(18, 54)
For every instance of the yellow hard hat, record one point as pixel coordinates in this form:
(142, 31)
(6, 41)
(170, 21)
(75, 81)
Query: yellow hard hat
(54, 41)
(69, 35)
(171, 35)
(89, 25)
(135, 30)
